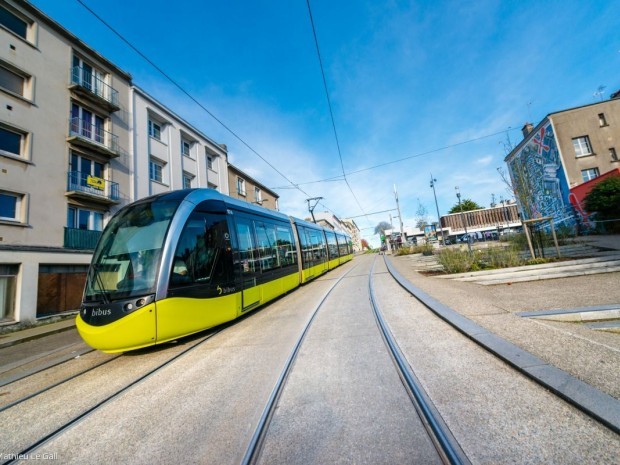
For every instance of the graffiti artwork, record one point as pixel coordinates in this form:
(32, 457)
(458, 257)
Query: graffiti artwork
(539, 180)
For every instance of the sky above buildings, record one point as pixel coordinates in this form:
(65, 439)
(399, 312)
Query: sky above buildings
(415, 88)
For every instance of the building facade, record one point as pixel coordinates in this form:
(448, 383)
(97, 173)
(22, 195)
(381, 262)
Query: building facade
(167, 153)
(64, 136)
(244, 187)
(77, 142)
(566, 149)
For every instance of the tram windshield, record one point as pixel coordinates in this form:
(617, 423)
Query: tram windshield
(127, 257)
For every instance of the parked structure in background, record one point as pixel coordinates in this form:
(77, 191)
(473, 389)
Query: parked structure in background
(244, 187)
(566, 149)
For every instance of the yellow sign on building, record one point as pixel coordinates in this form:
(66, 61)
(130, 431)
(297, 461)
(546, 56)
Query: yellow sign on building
(97, 183)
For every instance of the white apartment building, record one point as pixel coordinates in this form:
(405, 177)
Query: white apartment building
(63, 159)
(77, 142)
(168, 153)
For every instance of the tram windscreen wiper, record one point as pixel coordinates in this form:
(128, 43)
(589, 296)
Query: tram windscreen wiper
(104, 294)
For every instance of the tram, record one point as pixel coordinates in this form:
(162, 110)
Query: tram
(177, 263)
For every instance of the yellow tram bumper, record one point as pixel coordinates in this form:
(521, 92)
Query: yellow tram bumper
(134, 331)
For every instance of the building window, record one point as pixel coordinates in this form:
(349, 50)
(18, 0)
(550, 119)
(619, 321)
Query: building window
(185, 147)
(13, 23)
(156, 170)
(210, 185)
(88, 77)
(241, 186)
(154, 130)
(589, 174)
(582, 146)
(602, 121)
(8, 278)
(10, 206)
(11, 142)
(12, 81)
(187, 180)
(89, 220)
(613, 154)
(87, 124)
(258, 196)
(209, 162)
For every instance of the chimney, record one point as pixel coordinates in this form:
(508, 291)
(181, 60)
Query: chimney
(527, 129)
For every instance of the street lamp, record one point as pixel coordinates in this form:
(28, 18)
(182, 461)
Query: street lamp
(433, 181)
(463, 219)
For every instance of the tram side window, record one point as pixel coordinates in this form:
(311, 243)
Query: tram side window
(342, 245)
(200, 257)
(247, 248)
(306, 248)
(286, 246)
(332, 245)
(266, 242)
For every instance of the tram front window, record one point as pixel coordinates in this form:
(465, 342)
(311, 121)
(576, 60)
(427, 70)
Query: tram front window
(127, 258)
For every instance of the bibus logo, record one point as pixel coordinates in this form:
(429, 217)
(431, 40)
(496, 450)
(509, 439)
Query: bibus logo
(101, 312)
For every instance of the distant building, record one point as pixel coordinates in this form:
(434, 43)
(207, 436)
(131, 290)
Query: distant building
(567, 148)
(246, 188)
(347, 226)
(505, 216)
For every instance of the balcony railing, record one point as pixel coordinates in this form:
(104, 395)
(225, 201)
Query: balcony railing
(92, 186)
(94, 135)
(94, 85)
(81, 239)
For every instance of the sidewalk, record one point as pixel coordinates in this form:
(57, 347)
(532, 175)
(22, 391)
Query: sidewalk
(29, 334)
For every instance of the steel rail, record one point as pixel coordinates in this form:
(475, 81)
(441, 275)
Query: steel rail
(58, 431)
(446, 445)
(258, 438)
(599, 405)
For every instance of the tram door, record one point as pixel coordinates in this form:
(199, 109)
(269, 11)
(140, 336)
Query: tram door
(248, 263)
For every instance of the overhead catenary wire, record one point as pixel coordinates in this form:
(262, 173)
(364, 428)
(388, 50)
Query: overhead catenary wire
(399, 160)
(193, 99)
(329, 104)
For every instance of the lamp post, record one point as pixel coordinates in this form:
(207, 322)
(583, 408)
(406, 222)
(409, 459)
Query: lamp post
(433, 181)
(458, 196)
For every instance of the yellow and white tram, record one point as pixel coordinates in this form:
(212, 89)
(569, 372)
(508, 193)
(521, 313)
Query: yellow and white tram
(177, 263)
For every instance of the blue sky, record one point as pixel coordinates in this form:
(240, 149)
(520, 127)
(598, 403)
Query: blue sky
(440, 84)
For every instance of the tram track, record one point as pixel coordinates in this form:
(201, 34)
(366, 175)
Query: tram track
(65, 425)
(254, 449)
(447, 448)
(597, 404)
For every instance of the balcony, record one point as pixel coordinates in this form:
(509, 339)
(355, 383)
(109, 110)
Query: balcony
(81, 239)
(93, 88)
(87, 187)
(92, 136)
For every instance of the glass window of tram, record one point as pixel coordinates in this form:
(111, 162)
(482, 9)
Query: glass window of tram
(202, 256)
(128, 255)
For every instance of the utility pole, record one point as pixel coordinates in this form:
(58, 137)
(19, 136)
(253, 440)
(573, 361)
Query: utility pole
(433, 181)
(400, 217)
(311, 208)
(458, 196)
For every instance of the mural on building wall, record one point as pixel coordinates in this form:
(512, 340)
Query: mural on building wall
(538, 179)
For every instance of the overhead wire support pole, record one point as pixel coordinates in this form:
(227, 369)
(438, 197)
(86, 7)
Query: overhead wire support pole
(311, 208)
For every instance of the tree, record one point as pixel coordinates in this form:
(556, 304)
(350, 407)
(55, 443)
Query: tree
(365, 245)
(421, 216)
(381, 227)
(465, 205)
(604, 199)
